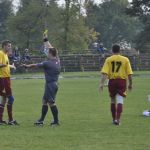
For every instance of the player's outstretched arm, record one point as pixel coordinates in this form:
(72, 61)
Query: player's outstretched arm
(29, 65)
(101, 84)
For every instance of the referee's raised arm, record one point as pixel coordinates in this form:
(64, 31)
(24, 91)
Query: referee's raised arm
(47, 44)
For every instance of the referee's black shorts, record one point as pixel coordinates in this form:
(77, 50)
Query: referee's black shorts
(51, 89)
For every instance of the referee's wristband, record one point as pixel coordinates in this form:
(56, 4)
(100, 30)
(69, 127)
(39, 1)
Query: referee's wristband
(45, 39)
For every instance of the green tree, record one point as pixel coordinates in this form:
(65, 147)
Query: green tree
(75, 35)
(25, 25)
(110, 20)
(5, 12)
(66, 26)
(141, 9)
(32, 18)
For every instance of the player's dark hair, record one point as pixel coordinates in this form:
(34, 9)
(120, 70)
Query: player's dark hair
(53, 51)
(4, 43)
(116, 48)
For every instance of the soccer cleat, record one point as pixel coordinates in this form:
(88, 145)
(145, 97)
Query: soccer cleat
(13, 122)
(3, 122)
(54, 123)
(116, 122)
(39, 123)
(146, 113)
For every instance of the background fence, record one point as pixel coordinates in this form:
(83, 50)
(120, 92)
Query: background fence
(89, 62)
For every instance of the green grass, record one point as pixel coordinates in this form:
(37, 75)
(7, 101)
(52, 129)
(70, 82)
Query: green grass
(84, 116)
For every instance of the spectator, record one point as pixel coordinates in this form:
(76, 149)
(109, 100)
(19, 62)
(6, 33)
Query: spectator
(16, 54)
(26, 55)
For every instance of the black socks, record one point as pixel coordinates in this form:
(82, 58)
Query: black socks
(44, 112)
(55, 113)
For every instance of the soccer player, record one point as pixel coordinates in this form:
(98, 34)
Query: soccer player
(51, 69)
(118, 70)
(5, 84)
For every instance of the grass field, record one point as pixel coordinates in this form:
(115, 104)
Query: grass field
(84, 116)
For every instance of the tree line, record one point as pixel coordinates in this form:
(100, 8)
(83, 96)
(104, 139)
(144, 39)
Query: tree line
(77, 24)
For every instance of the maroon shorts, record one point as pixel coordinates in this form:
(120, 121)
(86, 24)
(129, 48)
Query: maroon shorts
(5, 87)
(117, 86)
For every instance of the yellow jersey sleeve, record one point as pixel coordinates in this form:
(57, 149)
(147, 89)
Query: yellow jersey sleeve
(105, 68)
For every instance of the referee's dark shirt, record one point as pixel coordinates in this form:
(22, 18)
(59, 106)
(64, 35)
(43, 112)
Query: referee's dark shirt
(51, 69)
